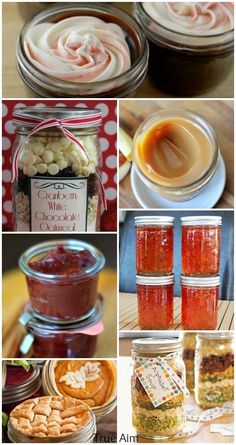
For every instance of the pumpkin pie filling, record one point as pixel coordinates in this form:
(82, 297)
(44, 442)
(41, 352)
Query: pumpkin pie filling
(93, 382)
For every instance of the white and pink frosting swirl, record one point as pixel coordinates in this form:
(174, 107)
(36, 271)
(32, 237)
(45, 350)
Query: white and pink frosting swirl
(78, 49)
(195, 18)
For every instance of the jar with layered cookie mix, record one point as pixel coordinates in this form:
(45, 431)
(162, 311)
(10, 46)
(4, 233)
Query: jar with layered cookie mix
(56, 170)
(158, 388)
(214, 369)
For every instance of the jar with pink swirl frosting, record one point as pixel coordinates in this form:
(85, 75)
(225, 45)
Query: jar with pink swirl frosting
(82, 50)
(191, 44)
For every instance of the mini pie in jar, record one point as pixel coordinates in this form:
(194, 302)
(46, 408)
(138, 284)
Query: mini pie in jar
(214, 369)
(175, 153)
(201, 237)
(62, 278)
(154, 244)
(91, 381)
(191, 44)
(199, 302)
(82, 50)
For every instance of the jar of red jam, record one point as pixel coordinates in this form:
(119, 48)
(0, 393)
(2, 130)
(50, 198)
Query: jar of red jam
(154, 244)
(68, 340)
(19, 384)
(155, 301)
(201, 245)
(199, 302)
(62, 278)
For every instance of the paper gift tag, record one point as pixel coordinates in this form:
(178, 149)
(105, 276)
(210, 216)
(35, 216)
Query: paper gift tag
(159, 386)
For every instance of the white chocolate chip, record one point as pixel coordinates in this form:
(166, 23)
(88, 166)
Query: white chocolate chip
(41, 168)
(38, 148)
(28, 158)
(48, 156)
(59, 156)
(29, 170)
(53, 169)
(62, 164)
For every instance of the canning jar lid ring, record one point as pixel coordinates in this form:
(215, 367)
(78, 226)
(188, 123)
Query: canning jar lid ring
(71, 244)
(151, 280)
(201, 220)
(225, 335)
(200, 281)
(157, 345)
(17, 392)
(154, 220)
(57, 113)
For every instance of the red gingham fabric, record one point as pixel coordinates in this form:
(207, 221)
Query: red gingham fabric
(107, 135)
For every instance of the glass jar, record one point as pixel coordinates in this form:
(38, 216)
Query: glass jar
(201, 245)
(100, 411)
(199, 305)
(154, 244)
(84, 435)
(214, 369)
(28, 10)
(127, 43)
(183, 63)
(19, 385)
(175, 153)
(166, 420)
(71, 294)
(189, 344)
(56, 182)
(155, 301)
(51, 340)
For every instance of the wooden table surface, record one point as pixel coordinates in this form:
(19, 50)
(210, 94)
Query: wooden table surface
(125, 416)
(14, 87)
(15, 294)
(219, 113)
(128, 314)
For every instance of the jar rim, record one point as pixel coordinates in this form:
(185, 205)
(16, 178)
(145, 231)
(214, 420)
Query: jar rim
(200, 281)
(157, 345)
(71, 244)
(155, 280)
(154, 220)
(192, 116)
(225, 335)
(102, 9)
(201, 220)
(17, 392)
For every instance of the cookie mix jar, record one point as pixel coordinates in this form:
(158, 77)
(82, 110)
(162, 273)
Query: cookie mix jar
(201, 237)
(93, 382)
(214, 369)
(191, 44)
(154, 244)
(56, 169)
(50, 339)
(82, 50)
(189, 345)
(155, 301)
(158, 388)
(62, 278)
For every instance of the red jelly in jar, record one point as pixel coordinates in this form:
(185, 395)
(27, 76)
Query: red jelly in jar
(201, 245)
(62, 278)
(155, 301)
(199, 302)
(154, 244)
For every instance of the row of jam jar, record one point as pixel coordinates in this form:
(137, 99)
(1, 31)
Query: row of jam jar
(200, 261)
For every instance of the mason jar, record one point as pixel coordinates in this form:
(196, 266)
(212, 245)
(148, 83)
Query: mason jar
(214, 369)
(57, 185)
(176, 153)
(113, 61)
(153, 418)
(57, 293)
(154, 244)
(189, 345)
(185, 61)
(201, 236)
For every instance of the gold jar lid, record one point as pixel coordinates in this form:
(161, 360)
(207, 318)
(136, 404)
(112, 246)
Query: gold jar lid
(161, 345)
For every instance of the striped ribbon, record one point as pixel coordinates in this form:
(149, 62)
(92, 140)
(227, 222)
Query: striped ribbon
(40, 124)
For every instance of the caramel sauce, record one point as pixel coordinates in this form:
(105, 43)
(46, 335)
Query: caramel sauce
(175, 152)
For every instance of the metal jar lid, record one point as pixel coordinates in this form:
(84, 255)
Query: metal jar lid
(201, 220)
(201, 281)
(154, 220)
(24, 390)
(44, 113)
(155, 280)
(157, 345)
